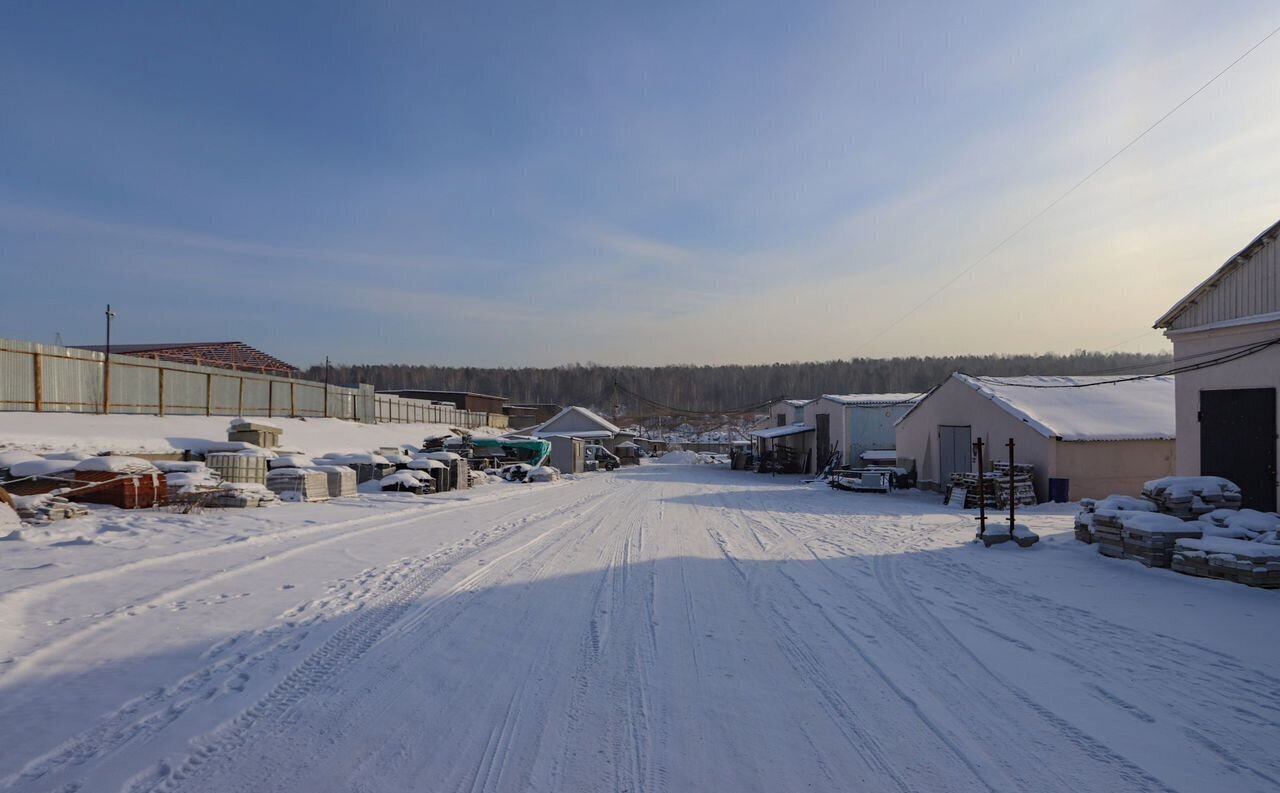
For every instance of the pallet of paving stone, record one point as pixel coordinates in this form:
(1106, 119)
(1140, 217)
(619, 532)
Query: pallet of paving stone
(1151, 538)
(1108, 533)
(1240, 561)
(1189, 497)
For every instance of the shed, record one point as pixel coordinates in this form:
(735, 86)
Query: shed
(788, 414)
(855, 423)
(578, 422)
(1102, 436)
(1227, 408)
(463, 400)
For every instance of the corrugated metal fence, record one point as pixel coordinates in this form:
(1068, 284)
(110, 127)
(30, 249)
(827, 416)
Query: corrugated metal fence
(48, 378)
(399, 410)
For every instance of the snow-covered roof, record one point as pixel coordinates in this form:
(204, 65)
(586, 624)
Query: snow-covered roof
(573, 411)
(798, 403)
(1084, 408)
(874, 400)
(586, 435)
(779, 432)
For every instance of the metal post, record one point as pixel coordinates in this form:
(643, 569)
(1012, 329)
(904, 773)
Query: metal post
(1011, 498)
(160, 389)
(37, 364)
(208, 394)
(982, 494)
(106, 365)
(326, 386)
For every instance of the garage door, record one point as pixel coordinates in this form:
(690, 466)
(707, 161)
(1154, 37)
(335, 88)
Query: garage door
(1238, 441)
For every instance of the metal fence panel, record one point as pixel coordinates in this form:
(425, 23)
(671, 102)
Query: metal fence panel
(17, 380)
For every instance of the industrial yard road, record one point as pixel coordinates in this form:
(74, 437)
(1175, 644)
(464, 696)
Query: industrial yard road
(661, 628)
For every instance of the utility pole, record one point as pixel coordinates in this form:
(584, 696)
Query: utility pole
(1012, 499)
(326, 386)
(106, 365)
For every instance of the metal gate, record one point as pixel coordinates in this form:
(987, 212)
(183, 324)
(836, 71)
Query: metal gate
(955, 451)
(1238, 441)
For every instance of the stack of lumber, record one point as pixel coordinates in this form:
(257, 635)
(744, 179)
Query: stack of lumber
(1189, 497)
(969, 482)
(1150, 537)
(1246, 562)
(1091, 506)
(1024, 484)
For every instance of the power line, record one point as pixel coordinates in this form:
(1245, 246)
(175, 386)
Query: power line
(992, 251)
(1231, 357)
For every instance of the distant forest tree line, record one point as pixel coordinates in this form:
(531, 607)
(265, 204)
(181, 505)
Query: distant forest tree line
(724, 388)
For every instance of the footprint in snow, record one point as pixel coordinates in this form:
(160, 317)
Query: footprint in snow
(286, 586)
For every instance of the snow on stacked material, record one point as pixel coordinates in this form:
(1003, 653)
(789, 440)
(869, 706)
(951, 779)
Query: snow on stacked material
(1109, 506)
(116, 464)
(543, 473)
(425, 464)
(40, 467)
(1241, 561)
(1150, 537)
(874, 400)
(516, 472)
(1078, 408)
(403, 482)
(677, 458)
(291, 461)
(14, 456)
(1024, 536)
(443, 456)
(396, 458)
(1189, 497)
(359, 458)
(46, 507)
(241, 421)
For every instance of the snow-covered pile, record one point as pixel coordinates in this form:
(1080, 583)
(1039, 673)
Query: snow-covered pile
(291, 461)
(40, 467)
(543, 473)
(116, 465)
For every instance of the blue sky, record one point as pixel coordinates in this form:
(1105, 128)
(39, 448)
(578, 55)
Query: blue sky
(542, 183)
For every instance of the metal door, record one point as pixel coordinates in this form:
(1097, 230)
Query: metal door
(1238, 441)
(955, 451)
(824, 437)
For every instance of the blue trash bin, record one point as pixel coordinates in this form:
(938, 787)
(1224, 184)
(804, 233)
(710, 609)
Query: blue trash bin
(1059, 490)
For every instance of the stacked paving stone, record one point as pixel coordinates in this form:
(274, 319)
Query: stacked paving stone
(1251, 563)
(1189, 497)
(1090, 506)
(1150, 537)
(41, 509)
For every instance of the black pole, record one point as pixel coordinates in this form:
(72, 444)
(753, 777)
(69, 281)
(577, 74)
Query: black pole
(106, 366)
(982, 494)
(1011, 494)
(326, 386)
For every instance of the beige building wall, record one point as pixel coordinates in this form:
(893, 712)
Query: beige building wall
(1261, 370)
(1097, 469)
(955, 403)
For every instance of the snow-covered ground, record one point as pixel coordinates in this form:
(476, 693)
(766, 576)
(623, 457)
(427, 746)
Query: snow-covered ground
(668, 627)
(124, 434)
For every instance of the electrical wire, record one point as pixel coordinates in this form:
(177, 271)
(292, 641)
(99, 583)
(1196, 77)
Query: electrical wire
(1062, 197)
(1232, 357)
